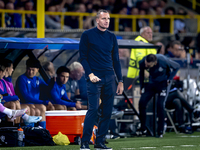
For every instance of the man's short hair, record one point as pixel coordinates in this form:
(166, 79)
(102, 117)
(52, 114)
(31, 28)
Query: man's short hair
(2, 66)
(151, 58)
(170, 8)
(62, 69)
(33, 63)
(46, 65)
(100, 11)
(143, 29)
(7, 62)
(174, 43)
(75, 65)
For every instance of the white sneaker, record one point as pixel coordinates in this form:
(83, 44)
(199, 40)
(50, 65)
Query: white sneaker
(117, 114)
(32, 119)
(17, 113)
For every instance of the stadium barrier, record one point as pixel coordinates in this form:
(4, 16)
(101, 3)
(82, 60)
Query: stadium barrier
(115, 16)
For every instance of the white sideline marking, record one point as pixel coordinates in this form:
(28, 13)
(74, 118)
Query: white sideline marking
(163, 147)
(187, 145)
(168, 146)
(147, 147)
(190, 136)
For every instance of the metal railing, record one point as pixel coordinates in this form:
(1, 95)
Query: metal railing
(194, 4)
(116, 17)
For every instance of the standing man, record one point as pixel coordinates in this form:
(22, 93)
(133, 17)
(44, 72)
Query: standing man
(161, 71)
(145, 36)
(99, 57)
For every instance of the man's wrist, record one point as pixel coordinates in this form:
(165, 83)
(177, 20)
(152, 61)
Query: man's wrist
(120, 81)
(90, 75)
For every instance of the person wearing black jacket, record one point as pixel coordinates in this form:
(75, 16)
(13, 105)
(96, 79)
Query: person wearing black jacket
(99, 56)
(161, 71)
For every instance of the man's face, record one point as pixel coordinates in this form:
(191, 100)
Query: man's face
(29, 6)
(175, 50)
(77, 74)
(134, 11)
(147, 34)
(170, 12)
(103, 21)
(9, 70)
(149, 64)
(31, 72)
(63, 77)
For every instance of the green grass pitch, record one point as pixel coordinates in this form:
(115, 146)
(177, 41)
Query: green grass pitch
(170, 141)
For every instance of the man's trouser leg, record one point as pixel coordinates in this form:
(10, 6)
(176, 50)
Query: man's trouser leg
(108, 92)
(175, 103)
(112, 126)
(178, 111)
(161, 109)
(145, 98)
(93, 92)
(184, 102)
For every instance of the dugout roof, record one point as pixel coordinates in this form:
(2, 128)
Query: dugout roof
(16, 49)
(61, 43)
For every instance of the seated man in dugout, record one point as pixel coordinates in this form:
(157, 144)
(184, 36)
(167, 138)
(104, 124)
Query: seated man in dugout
(49, 68)
(58, 92)
(29, 88)
(72, 87)
(10, 99)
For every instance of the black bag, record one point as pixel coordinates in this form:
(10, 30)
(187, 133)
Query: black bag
(9, 137)
(35, 136)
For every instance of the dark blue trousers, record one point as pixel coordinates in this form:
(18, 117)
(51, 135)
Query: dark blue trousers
(149, 91)
(104, 89)
(177, 101)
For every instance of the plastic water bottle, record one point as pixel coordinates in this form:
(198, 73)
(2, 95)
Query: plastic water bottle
(20, 137)
(165, 127)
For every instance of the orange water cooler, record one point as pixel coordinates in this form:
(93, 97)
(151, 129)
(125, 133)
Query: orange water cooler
(69, 123)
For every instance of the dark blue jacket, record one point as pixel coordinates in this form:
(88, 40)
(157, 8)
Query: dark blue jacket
(13, 20)
(59, 95)
(99, 53)
(29, 90)
(164, 70)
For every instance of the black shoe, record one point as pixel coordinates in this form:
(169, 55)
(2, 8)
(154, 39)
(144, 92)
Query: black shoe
(140, 132)
(101, 146)
(181, 128)
(185, 129)
(194, 116)
(116, 136)
(159, 136)
(84, 146)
